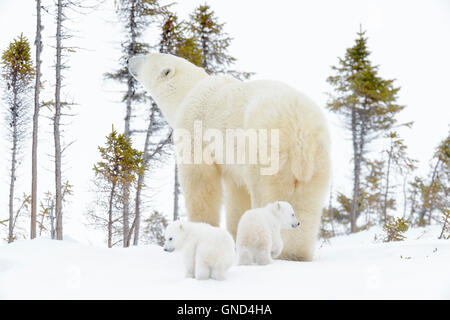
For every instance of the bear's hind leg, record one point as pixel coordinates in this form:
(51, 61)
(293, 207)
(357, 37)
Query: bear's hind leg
(202, 271)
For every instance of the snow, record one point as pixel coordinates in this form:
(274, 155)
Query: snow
(347, 267)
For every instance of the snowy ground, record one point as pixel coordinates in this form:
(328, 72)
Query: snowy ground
(349, 267)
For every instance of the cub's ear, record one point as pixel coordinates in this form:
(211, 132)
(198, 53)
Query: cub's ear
(167, 72)
(278, 205)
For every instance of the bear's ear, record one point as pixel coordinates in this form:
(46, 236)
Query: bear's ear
(278, 205)
(167, 72)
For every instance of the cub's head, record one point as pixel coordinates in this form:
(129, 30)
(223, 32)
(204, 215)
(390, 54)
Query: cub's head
(285, 213)
(175, 236)
(167, 78)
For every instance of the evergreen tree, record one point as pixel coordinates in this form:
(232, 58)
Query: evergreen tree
(436, 193)
(395, 229)
(371, 192)
(398, 160)
(367, 104)
(136, 16)
(213, 42)
(18, 73)
(156, 226)
(119, 168)
(414, 198)
(445, 231)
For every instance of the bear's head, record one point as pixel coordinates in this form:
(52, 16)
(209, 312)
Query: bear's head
(175, 236)
(167, 78)
(285, 213)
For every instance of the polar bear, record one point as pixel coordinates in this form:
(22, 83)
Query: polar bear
(258, 238)
(187, 95)
(208, 250)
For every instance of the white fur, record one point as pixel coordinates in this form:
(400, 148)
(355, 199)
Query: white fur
(208, 251)
(258, 238)
(185, 93)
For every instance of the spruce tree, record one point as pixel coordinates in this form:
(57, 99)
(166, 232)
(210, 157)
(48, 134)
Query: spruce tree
(156, 226)
(213, 42)
(367, 104)
(136, 16)
(436, 193)
(397, 160)
(18, 73)
(395, 229)
(118, 169)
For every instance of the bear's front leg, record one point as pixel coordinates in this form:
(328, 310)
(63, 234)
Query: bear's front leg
(189, 261)
(277, 245)
(202, 190)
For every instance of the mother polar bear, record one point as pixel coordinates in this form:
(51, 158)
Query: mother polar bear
(187, 96)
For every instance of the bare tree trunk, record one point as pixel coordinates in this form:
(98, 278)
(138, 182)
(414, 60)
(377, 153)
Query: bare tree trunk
(405, 199)
(110, 215)
(13, 164)
(330, 211)
(127, 131)
(427, 201)
(141, 178)
(387, 188)
(56, 132)
(444, 227)
(137, 219)
(356, 171)
(52, 220)
(37, 86)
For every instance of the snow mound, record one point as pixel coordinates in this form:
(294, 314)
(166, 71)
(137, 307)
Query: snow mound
(346, 267)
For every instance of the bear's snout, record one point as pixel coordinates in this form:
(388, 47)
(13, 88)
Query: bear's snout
(295, 225)
(167, 249)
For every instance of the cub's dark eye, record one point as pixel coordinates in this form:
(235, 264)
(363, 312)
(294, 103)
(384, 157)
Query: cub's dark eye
(170, 239)
(166, 73)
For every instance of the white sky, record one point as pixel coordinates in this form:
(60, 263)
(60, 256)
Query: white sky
(292, 41)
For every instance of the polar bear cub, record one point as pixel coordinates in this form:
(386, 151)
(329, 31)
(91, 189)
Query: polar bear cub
(208, 251)
(258, 238)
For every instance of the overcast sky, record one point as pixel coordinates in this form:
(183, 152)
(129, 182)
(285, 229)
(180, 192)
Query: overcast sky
(292, 41)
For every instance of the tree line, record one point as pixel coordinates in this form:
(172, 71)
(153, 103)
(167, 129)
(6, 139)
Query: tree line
(120, 176)
(367, 105)
(365, 102)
